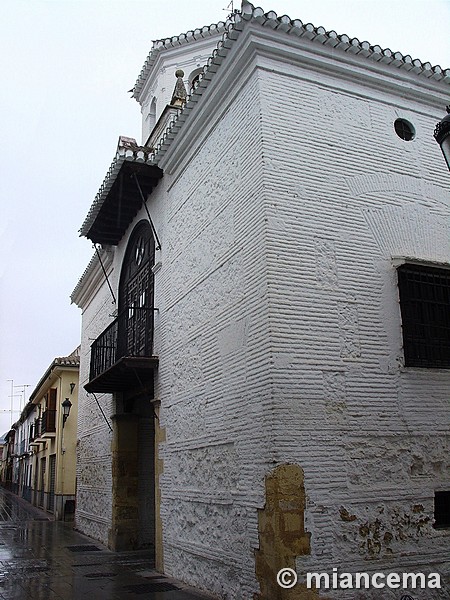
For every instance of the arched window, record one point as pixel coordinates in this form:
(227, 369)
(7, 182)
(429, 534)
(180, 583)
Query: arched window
(193, 78)
(151, 118)
(136, 294)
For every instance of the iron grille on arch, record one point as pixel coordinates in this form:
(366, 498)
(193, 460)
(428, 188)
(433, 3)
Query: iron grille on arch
(135, 336)
(425, 309)
(122, 355)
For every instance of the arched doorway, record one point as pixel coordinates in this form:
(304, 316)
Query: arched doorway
(133, 468)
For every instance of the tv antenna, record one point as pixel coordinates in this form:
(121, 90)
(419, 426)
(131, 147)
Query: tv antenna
(13, 410)
(230, 9)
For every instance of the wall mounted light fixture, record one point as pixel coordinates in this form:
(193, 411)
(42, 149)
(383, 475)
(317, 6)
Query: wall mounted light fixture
(442, 136)
(66, 406)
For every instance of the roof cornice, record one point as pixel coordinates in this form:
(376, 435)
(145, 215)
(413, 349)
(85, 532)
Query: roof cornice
(340, 43)
(92, 278)
(176, 41)
(128, 151)
(71, 362)
(230, 31)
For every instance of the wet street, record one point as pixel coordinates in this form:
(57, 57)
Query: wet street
(41, 559)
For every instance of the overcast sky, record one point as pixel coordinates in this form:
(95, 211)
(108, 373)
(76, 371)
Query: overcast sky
(66, 67)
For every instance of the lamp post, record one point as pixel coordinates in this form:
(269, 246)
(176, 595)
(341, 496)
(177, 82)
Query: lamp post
(66, 406)
(442, 135)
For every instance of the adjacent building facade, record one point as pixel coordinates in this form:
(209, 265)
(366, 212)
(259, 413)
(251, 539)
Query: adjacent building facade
(264, 372)
(41, 451)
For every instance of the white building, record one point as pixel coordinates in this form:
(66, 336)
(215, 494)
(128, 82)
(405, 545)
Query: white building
(22, 459)
(272, 358)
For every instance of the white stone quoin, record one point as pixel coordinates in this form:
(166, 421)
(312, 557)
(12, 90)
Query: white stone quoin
(286, 205)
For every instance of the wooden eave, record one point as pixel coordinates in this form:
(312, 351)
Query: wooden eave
(127, 373)
(123, 202)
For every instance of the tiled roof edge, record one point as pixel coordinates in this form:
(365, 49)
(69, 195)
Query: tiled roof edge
(343, 42)
(173, 42)
(73, 360)
(90, 266)
(127, 149)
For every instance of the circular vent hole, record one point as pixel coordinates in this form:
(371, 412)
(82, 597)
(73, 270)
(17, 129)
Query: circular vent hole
(404, 129)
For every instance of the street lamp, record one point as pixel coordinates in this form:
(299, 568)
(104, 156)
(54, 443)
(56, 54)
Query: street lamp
(66, 406)
(442, 135)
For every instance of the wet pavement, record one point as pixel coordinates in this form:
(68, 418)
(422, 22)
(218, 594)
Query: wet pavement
(42, 559)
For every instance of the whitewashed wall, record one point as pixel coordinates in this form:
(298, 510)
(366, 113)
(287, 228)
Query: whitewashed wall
(161, 82)
(345, 196)
(282, 336)
(94, 478)
(214, 362)
(278, 331)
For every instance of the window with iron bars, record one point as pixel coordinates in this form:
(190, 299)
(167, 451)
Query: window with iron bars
(442, 510)
(425, 309)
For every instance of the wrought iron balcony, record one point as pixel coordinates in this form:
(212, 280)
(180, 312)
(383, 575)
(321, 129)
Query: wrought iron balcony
(37, 428)
(48, 424)
(121, 357)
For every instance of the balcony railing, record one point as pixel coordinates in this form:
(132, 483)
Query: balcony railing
(48, 424)
(125, 345)
(37, 428)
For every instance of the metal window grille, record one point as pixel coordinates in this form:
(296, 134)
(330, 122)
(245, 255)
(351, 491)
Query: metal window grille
(442, 510)
(425, 308)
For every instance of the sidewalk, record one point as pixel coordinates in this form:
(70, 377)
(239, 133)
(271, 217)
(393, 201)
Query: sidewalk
(42, 559)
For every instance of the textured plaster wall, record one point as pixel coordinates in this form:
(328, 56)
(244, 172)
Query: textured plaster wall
(213, 379)
(278, 334)
(94, 453)
(93, 501)
(370, 434)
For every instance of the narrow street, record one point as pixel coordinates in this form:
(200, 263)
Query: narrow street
(42, 559)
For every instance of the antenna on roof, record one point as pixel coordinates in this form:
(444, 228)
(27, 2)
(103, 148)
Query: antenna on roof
(231, 8)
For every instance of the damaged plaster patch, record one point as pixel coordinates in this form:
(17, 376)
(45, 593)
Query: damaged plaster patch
(282, 535)
(382, 531)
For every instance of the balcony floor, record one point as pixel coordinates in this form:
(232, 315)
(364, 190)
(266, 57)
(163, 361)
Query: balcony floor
(127, 373)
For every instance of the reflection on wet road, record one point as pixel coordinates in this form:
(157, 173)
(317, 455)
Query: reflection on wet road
(42, 559)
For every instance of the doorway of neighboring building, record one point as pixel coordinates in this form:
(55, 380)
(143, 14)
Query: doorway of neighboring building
(51, 490)
(42, 490)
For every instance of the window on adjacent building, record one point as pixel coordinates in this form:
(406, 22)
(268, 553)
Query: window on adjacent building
(441, 510)
(425, 308)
